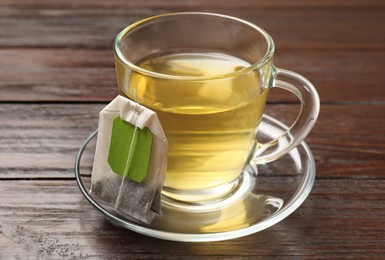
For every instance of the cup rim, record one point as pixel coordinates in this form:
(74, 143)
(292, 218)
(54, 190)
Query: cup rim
(118, 53)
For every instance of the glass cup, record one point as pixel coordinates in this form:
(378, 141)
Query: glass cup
(207, 76)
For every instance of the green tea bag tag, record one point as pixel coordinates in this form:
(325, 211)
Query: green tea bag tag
(130, 150)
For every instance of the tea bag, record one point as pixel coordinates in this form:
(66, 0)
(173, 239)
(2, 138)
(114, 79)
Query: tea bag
(130, 160)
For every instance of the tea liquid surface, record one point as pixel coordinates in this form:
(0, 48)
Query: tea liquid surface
(210, 124)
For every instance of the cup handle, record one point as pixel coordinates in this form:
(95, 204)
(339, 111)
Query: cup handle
(310, 104)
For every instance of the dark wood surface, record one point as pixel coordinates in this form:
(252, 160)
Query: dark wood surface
(57, 73)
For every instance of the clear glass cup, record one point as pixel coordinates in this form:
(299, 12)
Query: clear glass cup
(207, 76)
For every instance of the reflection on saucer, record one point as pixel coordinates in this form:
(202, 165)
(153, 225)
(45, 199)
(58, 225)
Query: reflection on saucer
(279, 189)
(242, 213)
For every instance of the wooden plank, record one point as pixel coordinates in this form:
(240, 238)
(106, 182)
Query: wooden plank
(347, 140)
(45, 75)
(89, 75)
(41, 141)
(95, 27)
(196, 3)
(337, 219)
(11, 249)
(339, 76)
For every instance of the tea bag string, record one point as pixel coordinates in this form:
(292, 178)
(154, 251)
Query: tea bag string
(129, 156)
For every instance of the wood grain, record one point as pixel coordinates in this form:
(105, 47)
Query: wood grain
(57, 222)
(41, 141)
(57, 75)
(138, 4)
(96, 27)
(78, 75)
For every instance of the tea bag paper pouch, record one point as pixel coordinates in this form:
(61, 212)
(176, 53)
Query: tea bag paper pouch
(130, 160)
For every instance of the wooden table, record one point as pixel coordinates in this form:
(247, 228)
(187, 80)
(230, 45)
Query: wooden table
(57, 73)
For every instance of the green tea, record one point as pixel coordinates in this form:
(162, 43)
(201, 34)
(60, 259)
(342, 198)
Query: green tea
(210, 119)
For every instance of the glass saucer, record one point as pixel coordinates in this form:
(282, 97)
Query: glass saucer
(268, 193)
